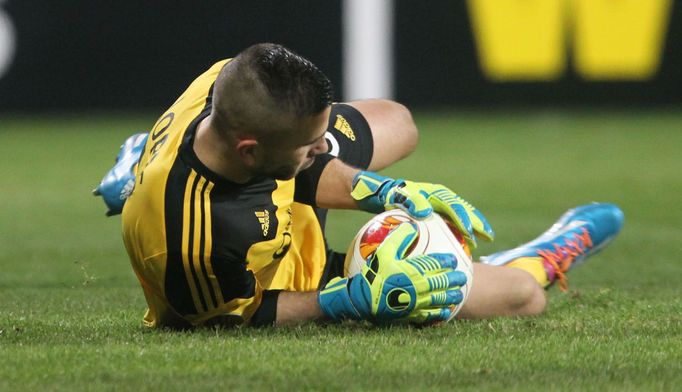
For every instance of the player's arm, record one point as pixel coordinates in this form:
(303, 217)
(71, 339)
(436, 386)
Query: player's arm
(394, 133)
(389, 288)
(367, 134)
(344, 187)
(296, 307)
(383, 132)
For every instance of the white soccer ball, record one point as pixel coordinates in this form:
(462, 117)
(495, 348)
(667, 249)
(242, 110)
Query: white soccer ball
(434, 235)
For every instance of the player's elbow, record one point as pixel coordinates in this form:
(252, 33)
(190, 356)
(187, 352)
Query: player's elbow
(406, 127)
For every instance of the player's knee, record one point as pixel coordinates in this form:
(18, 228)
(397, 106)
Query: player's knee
(529, 298)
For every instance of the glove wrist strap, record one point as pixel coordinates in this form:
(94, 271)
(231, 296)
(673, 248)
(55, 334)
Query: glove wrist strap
(335, 301)
(370, 190)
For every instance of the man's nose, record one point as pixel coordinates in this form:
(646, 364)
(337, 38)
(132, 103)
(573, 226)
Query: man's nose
(321, 146)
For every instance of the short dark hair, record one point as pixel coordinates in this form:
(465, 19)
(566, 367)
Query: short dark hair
(290, 79)
(266, 79)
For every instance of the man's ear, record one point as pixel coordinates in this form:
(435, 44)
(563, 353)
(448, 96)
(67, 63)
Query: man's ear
(247, 151)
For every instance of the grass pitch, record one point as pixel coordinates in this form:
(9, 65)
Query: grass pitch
(71, 308)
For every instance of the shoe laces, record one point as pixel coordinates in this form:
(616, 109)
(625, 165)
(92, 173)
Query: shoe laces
(562, 257)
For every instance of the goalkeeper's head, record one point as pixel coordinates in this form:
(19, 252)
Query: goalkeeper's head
(272, 106)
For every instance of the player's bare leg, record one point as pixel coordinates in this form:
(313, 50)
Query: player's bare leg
(499, 291)
(511, 282)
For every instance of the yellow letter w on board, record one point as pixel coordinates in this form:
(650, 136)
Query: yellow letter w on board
(521, 40)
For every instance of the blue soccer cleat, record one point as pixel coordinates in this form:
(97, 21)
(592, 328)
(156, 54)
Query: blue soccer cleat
(119, 182)
(578, 234)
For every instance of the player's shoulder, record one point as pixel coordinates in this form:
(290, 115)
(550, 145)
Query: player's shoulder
(198, 93)
(204, 81)
(174, 129)
(215, 68)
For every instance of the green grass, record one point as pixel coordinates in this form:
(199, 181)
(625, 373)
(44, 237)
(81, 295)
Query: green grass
(71, 308)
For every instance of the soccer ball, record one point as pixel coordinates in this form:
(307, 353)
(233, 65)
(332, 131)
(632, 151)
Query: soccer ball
(434, 235)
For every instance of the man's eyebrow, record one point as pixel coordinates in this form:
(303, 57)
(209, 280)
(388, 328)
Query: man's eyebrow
(316, 139)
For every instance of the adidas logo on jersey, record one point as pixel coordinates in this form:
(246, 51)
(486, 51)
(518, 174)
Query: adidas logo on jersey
(264, 219)
(342, 126)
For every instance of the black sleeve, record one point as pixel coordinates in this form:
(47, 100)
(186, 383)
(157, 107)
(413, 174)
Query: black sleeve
(267, 311)
(307, 180)
(349, 138)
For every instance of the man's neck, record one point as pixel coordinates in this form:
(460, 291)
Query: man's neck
(214, 152)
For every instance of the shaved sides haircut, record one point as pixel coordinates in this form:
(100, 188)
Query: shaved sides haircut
(264, 86)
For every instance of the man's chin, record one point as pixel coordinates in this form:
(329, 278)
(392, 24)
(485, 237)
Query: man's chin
(281, 174)
(285, 173)
(308, 163)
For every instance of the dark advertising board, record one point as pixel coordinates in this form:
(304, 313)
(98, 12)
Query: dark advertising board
(130, 55)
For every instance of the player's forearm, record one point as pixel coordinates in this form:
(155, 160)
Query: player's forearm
(333, 190)
(394, 135)
(296, 307)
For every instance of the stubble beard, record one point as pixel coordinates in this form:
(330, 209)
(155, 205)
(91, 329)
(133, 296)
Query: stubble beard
(282, 172)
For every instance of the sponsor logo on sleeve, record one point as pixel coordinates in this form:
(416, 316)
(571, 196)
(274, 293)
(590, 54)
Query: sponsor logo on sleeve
(342, 126)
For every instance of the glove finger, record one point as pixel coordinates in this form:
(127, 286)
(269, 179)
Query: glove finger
(409, 199)
(409, 207)
(446, 280)
(426, 316)
(466, 226)
(445, 260)
(456, 278)
(447, 202)
(433, 262)
(397, 242)
(446, 298)
(457, 215)
(482, 227)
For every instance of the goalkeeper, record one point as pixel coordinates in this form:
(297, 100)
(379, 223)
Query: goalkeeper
(224, 205)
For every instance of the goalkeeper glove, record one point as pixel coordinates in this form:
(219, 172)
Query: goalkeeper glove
(417, 289)
(375, 193)
(119, 182)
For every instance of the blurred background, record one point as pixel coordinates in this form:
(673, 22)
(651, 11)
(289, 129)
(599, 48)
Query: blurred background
(525, 108)
(96, 55)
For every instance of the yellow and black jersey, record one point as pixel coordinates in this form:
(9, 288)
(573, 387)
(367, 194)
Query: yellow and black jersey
(206, 249)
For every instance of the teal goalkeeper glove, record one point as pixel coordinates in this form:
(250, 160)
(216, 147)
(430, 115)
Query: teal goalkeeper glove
(375, 193)
(417, 289)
